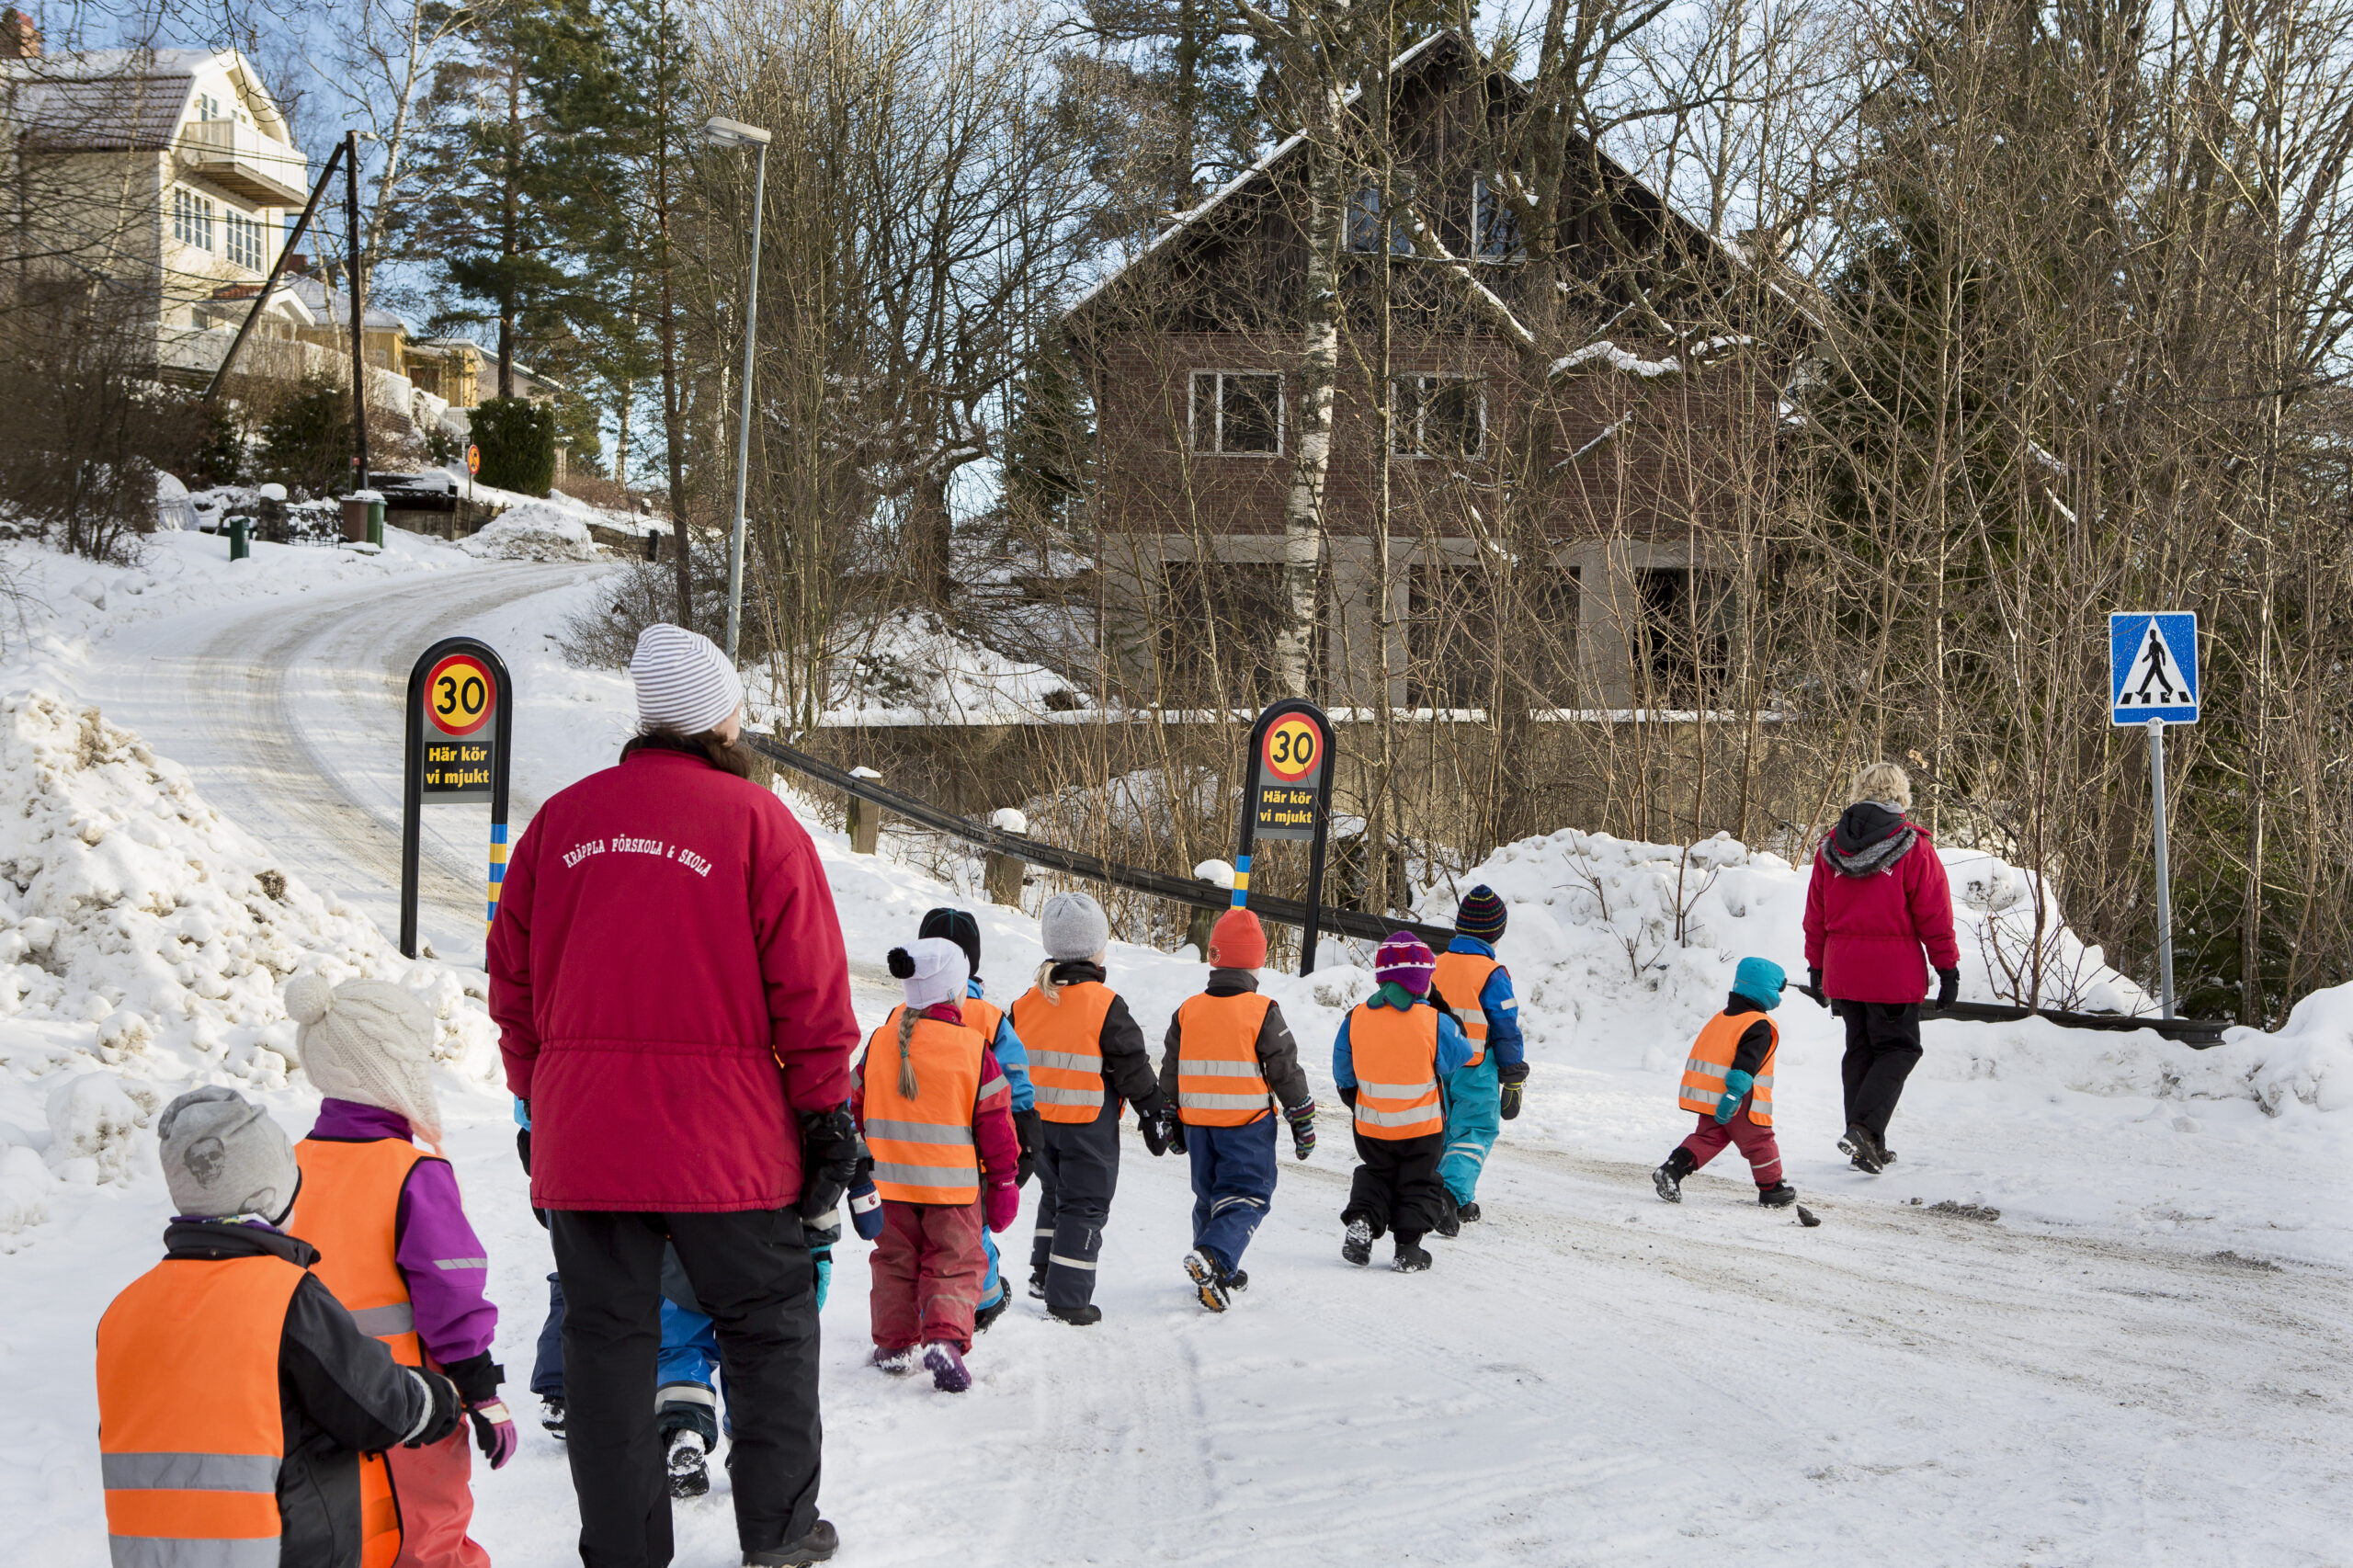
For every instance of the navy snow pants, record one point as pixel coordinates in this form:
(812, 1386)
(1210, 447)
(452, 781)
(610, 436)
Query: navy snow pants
(1233, 1184)
(1078, 1169)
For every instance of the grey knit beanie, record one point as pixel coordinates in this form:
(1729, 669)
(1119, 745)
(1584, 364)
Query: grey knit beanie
(369, 1041)
(1073, 926)
(223, 1155)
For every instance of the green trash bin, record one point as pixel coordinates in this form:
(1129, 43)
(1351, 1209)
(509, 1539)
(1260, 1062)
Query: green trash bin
(376, 522)
(240, 540)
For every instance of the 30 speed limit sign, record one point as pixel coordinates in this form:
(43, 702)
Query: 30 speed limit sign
(459, 695)
(1294, 746)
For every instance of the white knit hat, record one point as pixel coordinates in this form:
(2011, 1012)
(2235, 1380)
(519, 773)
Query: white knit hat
(931, 970)
(684, 682)
(369, 1041)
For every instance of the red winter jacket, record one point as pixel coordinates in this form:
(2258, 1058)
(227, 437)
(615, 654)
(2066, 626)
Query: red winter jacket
(1865, 934)
(667, 975)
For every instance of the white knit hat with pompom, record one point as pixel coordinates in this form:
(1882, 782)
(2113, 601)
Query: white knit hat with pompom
(369, 1041)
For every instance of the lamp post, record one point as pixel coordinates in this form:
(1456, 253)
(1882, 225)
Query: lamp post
(723, 132)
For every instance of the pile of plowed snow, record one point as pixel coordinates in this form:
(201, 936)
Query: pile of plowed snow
(144, 948)
(536, 531)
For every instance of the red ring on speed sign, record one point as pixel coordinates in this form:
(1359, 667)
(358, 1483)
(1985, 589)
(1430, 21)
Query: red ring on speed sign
(459, 694)
(1294, 747)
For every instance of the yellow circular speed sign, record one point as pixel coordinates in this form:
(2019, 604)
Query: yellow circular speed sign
(1294, 747)
(459, 695)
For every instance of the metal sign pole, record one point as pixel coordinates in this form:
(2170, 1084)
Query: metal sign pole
(411, 802)
(2165, 869)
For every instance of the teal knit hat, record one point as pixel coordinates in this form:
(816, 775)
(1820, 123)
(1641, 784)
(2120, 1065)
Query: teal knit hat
(1759, 980)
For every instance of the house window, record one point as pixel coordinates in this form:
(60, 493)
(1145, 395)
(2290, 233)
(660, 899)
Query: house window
(1494, 227)
(1465, 623)
(244, 234)
(1238, 412)
(208, 107)
(1685, 648)
(1438, 417)
(1217, 630)
(1365, 225)
(192, 218)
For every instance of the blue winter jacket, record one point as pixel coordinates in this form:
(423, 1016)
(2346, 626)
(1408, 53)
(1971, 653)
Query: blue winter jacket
(1013, 1057)
(1454, 1046)
(1498, 1003)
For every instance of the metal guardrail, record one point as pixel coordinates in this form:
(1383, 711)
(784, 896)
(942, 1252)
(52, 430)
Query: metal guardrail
(2198, 1033)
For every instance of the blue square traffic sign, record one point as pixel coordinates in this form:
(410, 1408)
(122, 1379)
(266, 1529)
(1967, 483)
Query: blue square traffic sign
(2153, 666)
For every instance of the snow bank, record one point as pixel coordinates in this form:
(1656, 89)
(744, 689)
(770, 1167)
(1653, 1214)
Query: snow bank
(2310, 1061)
(144, 944)
(909, 669)
(536, 531)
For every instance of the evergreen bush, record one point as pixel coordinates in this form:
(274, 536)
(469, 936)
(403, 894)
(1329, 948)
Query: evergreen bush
(518, 442)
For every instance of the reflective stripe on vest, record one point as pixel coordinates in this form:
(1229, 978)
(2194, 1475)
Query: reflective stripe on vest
(1461, 979)
(1395, 1056)
(1219, 1080)
(1710, 1059)
(190, 1434)
(1064, 1039)
(923, 1147)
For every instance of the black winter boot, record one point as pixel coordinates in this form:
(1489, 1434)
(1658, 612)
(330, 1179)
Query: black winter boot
(988, 1315)
(1038, 1283)
(1780, 1195)
(689, 1476)
(1863, 1148)
(1077, 1317)
(1450, 1218)
(551, 1419)
(1238, 1280)
(1356, 1245)
(1469, 1212)
(818, 1546)
(1210, 1283)
(1668, 1177)
(1411, 1257)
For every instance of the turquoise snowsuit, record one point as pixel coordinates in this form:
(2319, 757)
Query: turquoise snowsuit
(1474, 1095)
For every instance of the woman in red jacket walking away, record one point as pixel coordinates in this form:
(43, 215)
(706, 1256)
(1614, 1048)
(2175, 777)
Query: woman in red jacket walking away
(1878, 898)
(673, 1002)
(938, 1114)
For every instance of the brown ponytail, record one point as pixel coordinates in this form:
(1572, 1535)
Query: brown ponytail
(906, 1061)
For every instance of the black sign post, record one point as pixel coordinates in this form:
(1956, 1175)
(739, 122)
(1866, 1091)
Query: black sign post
(461, 729)
(1287, 793)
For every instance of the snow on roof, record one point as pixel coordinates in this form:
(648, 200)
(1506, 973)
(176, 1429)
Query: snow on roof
(121, 100)
(335, 305)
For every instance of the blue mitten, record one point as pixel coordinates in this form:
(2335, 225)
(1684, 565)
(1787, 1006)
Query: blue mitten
(865, 1203)
(825, 1259)
(1736, 1086)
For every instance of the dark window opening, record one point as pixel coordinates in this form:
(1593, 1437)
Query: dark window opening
(1217, 630)
(1439, 416)
(1466, 625)
(1238, 412)
(1684, 651)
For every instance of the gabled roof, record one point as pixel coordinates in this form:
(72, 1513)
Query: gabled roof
(335, 305)
(121, 100)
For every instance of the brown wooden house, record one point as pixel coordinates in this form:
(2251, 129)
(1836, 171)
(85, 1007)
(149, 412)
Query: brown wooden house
(1193, 350)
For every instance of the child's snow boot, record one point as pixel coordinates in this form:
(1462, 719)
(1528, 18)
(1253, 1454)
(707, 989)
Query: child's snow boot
(1208, 1280)
(1468, 1212)
(898, 1363)
(1450, 1218)
(990, 1313)
(1411, 1257)
(1086, 1316)
(1356, 1246)
(1668, 1177)
(1863, 1148)
(948, 1374)
(1038, 1283)
(1238, 1281)
(551, 1419)
(1780, 1195)
(689, 1476)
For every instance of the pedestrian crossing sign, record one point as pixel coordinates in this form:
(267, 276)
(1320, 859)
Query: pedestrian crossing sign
(2153, 666)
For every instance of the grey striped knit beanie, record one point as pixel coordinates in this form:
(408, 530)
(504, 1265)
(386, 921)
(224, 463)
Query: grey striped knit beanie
(684, 682)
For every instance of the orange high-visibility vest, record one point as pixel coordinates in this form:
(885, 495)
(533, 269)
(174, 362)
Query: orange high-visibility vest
(1064, 1041)
(981, 1016)
(1219, 1080)
(1462, 975)
(1397, 1062)
(1710, 1059)
(349, 1208)
(923, 1147)
(190, 1435)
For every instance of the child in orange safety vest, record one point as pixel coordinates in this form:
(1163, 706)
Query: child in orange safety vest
(1392, 1052)
(396, 1248)
(1728, 1081)
(236, 1393)
(938, 1115)
(1228, 1058)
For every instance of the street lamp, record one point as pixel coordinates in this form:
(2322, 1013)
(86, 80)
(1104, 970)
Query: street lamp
(720, 132)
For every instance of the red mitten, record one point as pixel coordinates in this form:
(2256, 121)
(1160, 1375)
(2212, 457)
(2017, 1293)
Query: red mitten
(1001, 1205)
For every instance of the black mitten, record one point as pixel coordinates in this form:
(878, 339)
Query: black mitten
(1030, 1128)
(1947, 988)
(1349, 1096)
(828, 1160)
(1813, 988)
(1172, 1126)
(1154, 1139)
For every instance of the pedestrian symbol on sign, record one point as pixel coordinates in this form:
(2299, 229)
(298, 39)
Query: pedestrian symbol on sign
(2153, 666)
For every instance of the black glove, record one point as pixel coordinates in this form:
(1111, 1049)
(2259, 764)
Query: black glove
(446, 1407)
(523, 1148)
(477, 1377)
(1513, 1077)
(1813, 988)
(1172, 1126)
(1947, 988)
(1302, 1117)
(828, 1160)
(1349, 1096)
(1030, 1128)
(1154, 1138)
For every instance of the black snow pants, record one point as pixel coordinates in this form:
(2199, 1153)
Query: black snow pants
(1883, 1047)
(1397, 1186)
(1078, 1167)
(753, 1274)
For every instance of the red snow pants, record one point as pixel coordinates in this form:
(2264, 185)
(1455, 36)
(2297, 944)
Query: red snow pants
(435, 1486)
(1709, 1139)
(927, 1271)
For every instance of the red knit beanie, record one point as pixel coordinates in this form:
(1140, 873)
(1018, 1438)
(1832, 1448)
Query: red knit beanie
(1238, 941)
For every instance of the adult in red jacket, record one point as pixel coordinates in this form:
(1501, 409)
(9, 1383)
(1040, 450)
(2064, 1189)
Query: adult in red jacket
(1878, 898)
(667, 975)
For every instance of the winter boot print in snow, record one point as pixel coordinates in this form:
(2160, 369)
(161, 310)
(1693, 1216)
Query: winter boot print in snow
(1449, 1219)
(1356, 1246)
(1208, 1280)
(1468, 1212)
(898, 1363)
(1780, 1195)
(947, 1367)
(551, 1419)
(689, 1475)
(1668, 1177)
(1411, 1258)
(1864, 1149)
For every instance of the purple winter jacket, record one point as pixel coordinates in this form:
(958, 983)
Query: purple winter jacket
(446, 1266)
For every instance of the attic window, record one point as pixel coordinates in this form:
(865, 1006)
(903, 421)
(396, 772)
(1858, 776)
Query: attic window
(208, 107)
(1494, 227)
(1365, 224)
(1238, 412)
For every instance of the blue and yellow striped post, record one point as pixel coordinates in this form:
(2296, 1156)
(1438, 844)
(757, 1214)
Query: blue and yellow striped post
(1242, 882)
(497, 869)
